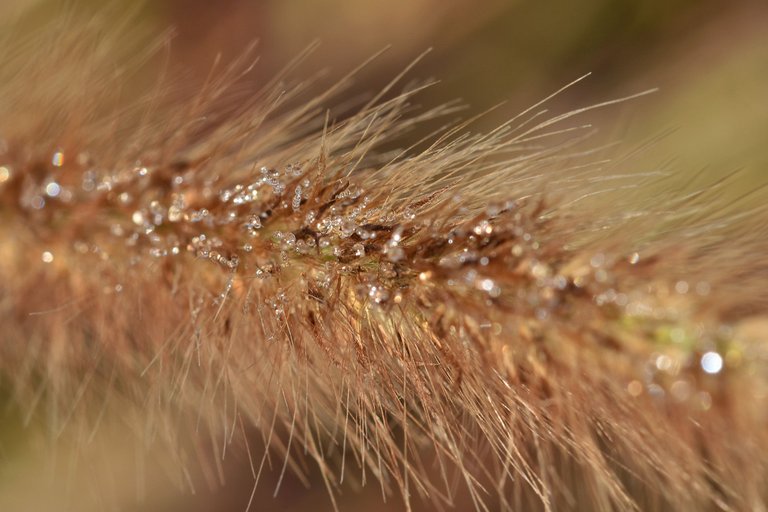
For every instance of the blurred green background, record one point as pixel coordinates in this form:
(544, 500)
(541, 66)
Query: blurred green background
(708, 58)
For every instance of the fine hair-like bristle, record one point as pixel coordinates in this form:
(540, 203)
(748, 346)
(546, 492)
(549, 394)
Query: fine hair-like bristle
(495, 314)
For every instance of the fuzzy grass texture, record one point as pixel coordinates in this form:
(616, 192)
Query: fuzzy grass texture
(503, 315)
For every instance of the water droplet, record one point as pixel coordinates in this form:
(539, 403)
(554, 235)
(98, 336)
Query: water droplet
(347, 228)
(286, 238)
(703, 288)
(680, 390)
(174, 213)
(198, 215)
(394, 253)
(387, 270)
(635, 388)
(488, 285)
(5, 173)
(225, 195)
(58, 159)
(47, 257)
(293, 170)
(296, 202)
(52, 189)
(37, 202)
(663, 363)
(89, 181)
(634, 258)
(540, 270)
(253, 224)
(712, 362)
(483, 228)
(378, 294)
(358, 250)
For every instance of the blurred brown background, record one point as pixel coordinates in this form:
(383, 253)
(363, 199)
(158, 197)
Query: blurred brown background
(709, 59)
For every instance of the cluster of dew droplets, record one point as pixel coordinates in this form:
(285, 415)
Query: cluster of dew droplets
(241, 205)
(686, 354)
(158, 212)
(43, 185)
(470, 259)
(55, 186)
(343, 233)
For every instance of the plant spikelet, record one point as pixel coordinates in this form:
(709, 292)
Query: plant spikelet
(496, 316)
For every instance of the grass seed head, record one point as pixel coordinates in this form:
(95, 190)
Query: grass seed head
(467, 318)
